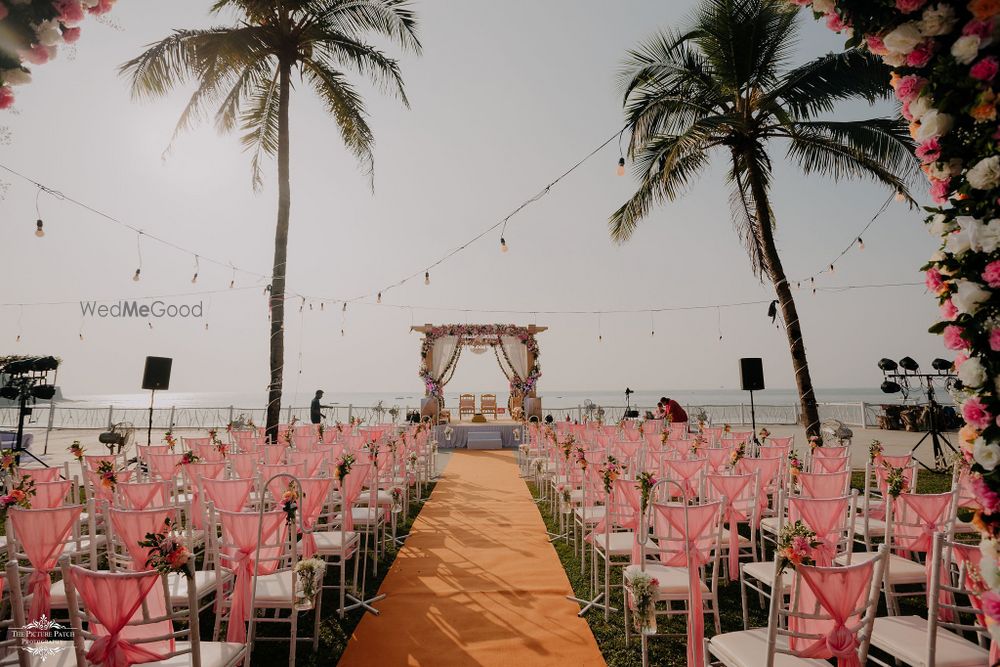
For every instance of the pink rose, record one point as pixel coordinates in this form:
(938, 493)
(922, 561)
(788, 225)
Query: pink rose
(909, 87)
(990, 602)
(6, 97)
(981, 29)
(985, 69)
(921, 55)
(992, 274)
(959, 360)
(70, 11)
(70, 35)
(102, 7)
(909, 6)
(953, 338)
(940, 188)
(986, 496)
(975, 413)
(835, 23)
(36, 55)
(876, 45)
(906, 112)
(934, 280)
(995, 339)
(929, 151)
(948, 310)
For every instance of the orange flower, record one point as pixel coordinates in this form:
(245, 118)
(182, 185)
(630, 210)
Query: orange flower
(894, 80)
(984, 9)
(968, 434)
(914, 127)
(986, 109)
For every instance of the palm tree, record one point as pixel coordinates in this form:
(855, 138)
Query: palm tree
(244, 72)
(726, 83)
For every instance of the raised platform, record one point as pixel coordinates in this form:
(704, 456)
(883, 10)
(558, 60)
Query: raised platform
(493, 435)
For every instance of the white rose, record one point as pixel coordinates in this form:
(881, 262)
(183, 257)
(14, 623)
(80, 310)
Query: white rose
(48, 33)
(988, 456)
(985, 175)
(823, 6)
(87, 4)
(920, 106)
(986, 237)
(937, 20)
(940, 225)
(904, 38)
(966, 48)
(958, 243)
(945, 170)
(933, 124)
(972, 373)
(894, 59)
(988, 563)
(969, 296)
(938, 257)
(15, 77)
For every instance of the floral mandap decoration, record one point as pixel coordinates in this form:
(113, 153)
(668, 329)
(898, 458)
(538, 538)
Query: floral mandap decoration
(480, 335)
(32, 32)
(945, 57)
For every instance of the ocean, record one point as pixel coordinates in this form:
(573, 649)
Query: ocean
(550, 398)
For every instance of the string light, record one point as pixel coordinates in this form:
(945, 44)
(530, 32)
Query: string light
(378, 299)
(39, 232)
(900, 196)
(832, 269)
(861, 243)
(138, 252)
(194, 278)
(427, 277)
(344, 309)
(503, 244)
(621, 166)
(135, 276)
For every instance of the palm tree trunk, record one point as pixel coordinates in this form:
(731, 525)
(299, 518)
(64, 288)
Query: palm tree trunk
(277, 340)
(765, 234)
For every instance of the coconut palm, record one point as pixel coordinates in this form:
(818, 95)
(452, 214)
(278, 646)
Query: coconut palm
(244, 76)
(726, 84)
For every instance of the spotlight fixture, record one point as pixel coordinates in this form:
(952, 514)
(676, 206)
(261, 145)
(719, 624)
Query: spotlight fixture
(942, 364)
(890, 387)
(135, 277)
(503, 244)
(39, 232)
(887, 365)
(427, 277)
(909, 364)
(621, 166)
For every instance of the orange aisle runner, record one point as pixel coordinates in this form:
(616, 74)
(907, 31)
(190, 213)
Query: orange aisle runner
(477, 582)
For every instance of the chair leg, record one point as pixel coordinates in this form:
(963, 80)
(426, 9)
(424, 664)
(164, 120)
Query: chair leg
(318, 615)
(293, 640)
(743, 599)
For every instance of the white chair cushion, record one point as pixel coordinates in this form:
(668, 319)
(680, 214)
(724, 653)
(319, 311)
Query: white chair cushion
(331, 543)
(876, 527)
(749, 649)
(900, 570)
(204, 584)
(769, 525)
(274, 590)
(594, 514)
(764, 572)
(673, 581)
(724, 540)
(905, 638)
(619, 544)
(367, 515)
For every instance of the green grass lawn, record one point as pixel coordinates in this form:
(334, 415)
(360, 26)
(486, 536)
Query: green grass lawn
(610, 634)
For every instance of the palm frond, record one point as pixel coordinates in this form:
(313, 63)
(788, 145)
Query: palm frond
(365, 59)
(744, 208)
(260, 122)
(392, 18)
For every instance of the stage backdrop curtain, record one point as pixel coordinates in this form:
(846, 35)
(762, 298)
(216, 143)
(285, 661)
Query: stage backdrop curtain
(517, 354)
(442, 353)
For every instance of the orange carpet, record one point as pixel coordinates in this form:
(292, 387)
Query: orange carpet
(477, 582)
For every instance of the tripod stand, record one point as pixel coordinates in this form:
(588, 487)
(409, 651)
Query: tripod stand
(935, 434)
(22, 412)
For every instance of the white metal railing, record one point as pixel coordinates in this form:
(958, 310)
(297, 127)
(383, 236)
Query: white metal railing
(70, 417)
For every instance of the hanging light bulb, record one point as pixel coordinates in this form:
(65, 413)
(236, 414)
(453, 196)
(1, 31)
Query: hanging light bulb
(378, 299)
(135, 277)
(150, 324)
(310, 306)
(503, 244)
(427, 277)
(18, 339)
(599, 338)
(832, 269)
(39, 232)
(206, 326)
(322, 304)
(342, 332)
(194, 278)
(344, 309)
(621, 166)
(861, 243)
(81, 335)
(232, 283)
(900, 196)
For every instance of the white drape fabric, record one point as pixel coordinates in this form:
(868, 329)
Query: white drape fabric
(441, 355)
(517, 353)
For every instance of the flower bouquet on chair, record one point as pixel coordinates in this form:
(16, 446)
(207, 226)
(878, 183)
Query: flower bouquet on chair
(309, 574)
(642, 590)
(796, 545)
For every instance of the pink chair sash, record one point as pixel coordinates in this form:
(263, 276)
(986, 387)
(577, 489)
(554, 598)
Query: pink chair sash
(315, 491)
(244, 465)
(273, 454)
(92, 462)
(101, 491)
(831, 464)
(766, 469)
(240, 530)
(825, 516)
(207, 452)
(824, 484)
(42, 534)
(839, 591)
(718, 458)
(831, 452)
(49, 495)
(733, 488)
(41, 475)
(311, 461)
(278, 486)
(164, 466)
(228, 494)
(113, 601)
(142, 495)
(686, 471)
(132, 526)
(350, 489)
(198, 472)
(698, 542)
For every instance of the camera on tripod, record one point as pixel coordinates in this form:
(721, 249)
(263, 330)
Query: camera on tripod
(27, 380)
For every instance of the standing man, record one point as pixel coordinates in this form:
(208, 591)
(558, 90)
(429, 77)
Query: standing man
(315, 416)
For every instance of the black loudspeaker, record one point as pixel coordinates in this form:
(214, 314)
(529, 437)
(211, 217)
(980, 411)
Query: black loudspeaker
(751, 374)
(157, 373)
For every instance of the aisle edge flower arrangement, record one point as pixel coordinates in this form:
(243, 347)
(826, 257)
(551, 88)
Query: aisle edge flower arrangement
(945, 59)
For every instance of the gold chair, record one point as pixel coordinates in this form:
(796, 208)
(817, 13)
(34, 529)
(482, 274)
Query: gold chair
(488, 405)
(466, 405)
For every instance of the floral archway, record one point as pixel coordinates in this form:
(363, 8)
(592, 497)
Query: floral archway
(515, 349)
(945, 60)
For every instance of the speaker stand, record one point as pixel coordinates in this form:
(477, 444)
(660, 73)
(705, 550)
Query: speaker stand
(753, 419)
(149, 430)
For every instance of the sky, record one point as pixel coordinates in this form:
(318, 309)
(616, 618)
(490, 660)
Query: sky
(504, 97)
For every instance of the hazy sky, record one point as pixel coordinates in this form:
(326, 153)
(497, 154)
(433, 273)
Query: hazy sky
(505, 97)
